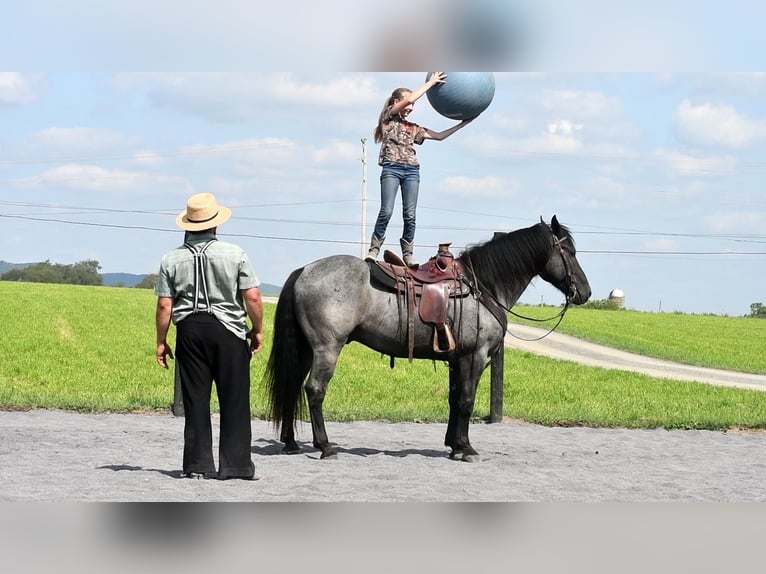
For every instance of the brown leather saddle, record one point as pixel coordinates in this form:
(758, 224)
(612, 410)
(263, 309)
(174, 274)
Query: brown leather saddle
(429, 288)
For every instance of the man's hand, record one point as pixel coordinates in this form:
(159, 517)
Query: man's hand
(256, 341)
(164, 352)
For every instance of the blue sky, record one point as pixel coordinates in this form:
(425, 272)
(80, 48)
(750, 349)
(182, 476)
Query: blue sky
(657, 172)
(658, 175)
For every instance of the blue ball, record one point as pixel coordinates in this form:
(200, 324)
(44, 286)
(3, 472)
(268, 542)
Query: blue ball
(463, 95)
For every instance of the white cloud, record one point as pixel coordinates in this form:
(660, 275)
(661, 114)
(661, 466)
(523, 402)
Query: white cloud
(553, 143)
(57, 142)
(18, 89)
(566, 122)
(148, 158)
(718, 125)
(245, 149)
(564, 128)
(231, 97)
(338, 151)
(738, 221)
(94, 178)
(686, 164)
(580, 104)
(339, 92)
(488, 186)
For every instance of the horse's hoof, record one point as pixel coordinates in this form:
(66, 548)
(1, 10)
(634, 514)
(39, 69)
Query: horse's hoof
(291, 449)
(464, 456)
(329, 455)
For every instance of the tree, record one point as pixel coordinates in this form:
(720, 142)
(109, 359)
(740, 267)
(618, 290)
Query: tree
(147, 282)
(83, 273)
(80, 273)
(758, 310)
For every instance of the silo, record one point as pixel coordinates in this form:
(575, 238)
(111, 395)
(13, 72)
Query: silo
(618, 297)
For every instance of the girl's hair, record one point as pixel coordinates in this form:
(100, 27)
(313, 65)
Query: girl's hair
(396, 95)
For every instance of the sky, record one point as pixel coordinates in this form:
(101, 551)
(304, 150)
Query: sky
(658, 173)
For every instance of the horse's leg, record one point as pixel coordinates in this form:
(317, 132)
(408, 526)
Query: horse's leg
(322, 370)
(287, 436)
(454, 393)
(466, 372)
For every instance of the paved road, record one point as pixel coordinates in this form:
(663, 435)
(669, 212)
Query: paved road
(565, 347)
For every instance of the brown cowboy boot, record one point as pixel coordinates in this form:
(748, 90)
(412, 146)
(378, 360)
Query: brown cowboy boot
(407, 253)
(375, 245)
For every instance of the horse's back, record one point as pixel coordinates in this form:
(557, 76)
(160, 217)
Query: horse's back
(335, 272)
(333, 293)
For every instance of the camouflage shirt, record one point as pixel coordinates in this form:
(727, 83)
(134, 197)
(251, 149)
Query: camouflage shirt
(399, 135)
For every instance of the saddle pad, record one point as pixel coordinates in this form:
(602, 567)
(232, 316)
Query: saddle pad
(379, 278)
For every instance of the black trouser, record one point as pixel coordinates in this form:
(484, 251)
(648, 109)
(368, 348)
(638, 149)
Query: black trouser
(205, 352)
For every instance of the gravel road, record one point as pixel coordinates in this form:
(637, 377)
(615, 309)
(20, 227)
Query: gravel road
(564, 347)
(63, 456)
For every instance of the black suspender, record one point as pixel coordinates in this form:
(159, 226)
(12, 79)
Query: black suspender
(200, 280)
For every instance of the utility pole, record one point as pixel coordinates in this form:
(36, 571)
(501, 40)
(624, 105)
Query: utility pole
(364, 198)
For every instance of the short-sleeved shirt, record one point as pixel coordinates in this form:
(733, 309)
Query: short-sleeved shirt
(227, 272)
(399, 137)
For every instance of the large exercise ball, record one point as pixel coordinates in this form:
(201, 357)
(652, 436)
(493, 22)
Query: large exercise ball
(463, 95)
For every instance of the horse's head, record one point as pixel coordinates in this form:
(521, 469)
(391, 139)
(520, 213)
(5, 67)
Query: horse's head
(562, 270)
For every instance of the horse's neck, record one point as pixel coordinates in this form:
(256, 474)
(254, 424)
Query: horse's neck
(508, 294)
(508, 284)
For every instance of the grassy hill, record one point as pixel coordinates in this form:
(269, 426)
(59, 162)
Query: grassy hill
(92, 349)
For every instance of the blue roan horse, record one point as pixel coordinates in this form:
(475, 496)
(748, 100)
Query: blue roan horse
(333, 301)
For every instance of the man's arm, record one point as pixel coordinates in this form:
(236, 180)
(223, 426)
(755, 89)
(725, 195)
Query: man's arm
(254, 308)
(162, 321)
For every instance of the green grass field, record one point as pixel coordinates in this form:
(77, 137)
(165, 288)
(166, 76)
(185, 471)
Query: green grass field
(732, 343)
(91, 349)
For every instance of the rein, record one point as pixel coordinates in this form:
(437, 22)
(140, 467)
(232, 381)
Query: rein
(560, 317)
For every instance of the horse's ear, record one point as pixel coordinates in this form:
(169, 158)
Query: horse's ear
(541, 219)
(555, 225)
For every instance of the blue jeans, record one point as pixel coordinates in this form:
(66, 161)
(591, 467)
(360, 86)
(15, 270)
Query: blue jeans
(392, 177)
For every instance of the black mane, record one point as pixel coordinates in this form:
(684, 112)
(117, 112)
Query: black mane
(505, 263)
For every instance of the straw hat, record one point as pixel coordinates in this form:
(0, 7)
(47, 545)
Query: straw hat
(202, 212)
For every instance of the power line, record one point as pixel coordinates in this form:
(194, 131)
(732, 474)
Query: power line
(349, 242)
(593, 230)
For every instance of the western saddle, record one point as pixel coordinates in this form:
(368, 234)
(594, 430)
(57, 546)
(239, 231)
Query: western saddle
(429, 287)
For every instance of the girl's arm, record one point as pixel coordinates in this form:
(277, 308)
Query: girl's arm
(412, 97)
(443, 135)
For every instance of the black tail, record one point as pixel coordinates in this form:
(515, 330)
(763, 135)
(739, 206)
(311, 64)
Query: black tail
(289, 361)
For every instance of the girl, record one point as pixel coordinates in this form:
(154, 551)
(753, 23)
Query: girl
(399, 163)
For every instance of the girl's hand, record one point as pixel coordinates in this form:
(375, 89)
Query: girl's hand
(437, 78)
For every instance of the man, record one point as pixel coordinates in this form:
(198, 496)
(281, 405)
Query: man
(208, 289)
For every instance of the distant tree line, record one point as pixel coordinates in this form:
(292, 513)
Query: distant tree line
(80, 273)
(603, 304)
(147, 282)
(758, 310)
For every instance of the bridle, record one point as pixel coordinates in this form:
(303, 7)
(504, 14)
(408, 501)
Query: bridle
(569, 279)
